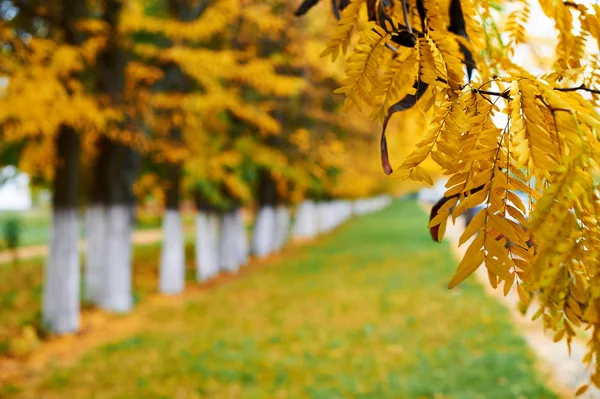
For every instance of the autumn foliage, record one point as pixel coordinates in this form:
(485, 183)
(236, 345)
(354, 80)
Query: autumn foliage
(495, 130)
(112, 102)
(224, 104)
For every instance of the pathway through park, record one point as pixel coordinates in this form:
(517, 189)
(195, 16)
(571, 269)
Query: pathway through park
(362, 312)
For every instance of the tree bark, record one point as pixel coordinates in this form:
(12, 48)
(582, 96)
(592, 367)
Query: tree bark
(60, 299)
(207, 264)
(172, 262)
(305, 224)
(282, 226)
(229, 259)
(116, 170)
(117, 283)
(323, 217)
(263, 238)
(95, 252)
(115, 262)
(96, 225)
(60, 307)
(242, 246)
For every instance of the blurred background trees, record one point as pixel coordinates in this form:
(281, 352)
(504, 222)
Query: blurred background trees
(223, 105)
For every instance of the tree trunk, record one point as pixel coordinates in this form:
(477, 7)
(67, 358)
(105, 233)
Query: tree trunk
(116, 288)
(60, 308)
(282, 226)
(213, 230)
(206, 245)
(172, 261)
(95, 253)
(116, 170)
(60, 299)
(96, 225)
(116, 271)
(229, 259)
(263, 236)
(242, 247)
(305, 223)
(322, 217)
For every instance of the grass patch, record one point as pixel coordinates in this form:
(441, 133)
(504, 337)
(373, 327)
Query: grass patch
(21, 288)
(34, 225)
(364, 313)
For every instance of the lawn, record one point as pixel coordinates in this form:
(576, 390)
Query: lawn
(34, 226)
(362, 313)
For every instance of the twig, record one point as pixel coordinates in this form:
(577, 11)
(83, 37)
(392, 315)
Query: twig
(504, 94)
(580, 87)
(405, 11)
(571, 4)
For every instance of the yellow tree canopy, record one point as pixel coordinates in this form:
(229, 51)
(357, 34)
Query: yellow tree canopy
(495, 129)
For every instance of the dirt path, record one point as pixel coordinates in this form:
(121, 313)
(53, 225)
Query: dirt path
(566, 372)
(37, 251)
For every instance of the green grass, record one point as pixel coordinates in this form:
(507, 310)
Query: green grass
(21, 288)
(364, 313)
(34, 224)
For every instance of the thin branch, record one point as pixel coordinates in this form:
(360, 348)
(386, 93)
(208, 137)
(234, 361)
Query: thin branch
(553, 111)
(580, 87)
(394, 49)
(405, 10)
(571, 4)
(504, 94)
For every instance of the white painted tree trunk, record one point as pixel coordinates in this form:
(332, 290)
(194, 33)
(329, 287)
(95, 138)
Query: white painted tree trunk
(264, 230)
(116, 288)
(335, 214)
(228, 243)
(282, 226)
(305, 225)
(323, 217)
(95, 253)
(172, 257)
(243, 246)
(60, 308)
(213, 229)
(206, 246)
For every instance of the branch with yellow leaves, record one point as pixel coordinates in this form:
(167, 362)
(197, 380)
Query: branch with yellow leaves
(506, 96)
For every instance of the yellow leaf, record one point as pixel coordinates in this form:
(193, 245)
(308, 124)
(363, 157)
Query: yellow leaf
(419, 173)
(581, 390)
(523, 295)
(509, 283)
(473, 258)
(474, 226)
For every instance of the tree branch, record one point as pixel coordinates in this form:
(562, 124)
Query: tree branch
(571, 4)
(580, 87)
(504, 94)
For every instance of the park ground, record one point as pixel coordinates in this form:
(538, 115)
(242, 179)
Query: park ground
(362, 312)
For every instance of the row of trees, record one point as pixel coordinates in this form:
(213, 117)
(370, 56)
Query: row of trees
(224, 102)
